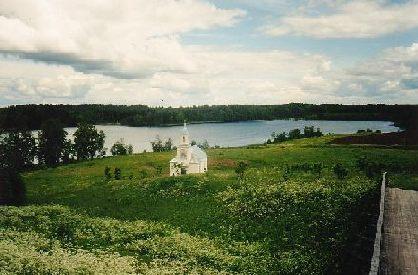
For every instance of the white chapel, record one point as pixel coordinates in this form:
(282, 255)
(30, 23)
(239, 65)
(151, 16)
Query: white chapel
(189, 159)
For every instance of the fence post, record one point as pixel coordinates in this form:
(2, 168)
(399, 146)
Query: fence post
(375, 262)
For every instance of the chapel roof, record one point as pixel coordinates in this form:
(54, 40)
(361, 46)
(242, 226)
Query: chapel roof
(198, 153)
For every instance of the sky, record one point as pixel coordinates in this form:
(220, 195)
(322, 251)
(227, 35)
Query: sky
(195, 52)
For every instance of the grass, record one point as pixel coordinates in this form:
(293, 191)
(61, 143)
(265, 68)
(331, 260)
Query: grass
(270, 221)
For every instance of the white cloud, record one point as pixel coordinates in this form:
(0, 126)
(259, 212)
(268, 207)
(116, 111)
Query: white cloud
(225, 76)
(391, 76)
(358, 19)
(127, 39)
(82, 53)
(221, 76)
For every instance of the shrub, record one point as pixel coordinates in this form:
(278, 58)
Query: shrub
(294, 134)
(306, 223)
(159, 169)
(118, 173)
(107, 173)
(158, 145)
(340, 171)
(120, 148)
(240, 169)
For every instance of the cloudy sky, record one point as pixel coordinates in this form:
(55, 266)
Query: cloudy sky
(185, 52)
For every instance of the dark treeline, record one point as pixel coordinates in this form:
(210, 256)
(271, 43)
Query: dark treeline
(32, 116)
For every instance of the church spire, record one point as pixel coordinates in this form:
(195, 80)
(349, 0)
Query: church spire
(185, 135)
(185, 131)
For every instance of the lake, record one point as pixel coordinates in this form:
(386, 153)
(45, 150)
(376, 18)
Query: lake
(230, 134)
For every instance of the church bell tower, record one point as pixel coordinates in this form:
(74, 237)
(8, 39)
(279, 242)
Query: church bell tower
(183, 150)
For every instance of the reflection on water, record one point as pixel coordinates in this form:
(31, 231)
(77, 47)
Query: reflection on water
(230, 134)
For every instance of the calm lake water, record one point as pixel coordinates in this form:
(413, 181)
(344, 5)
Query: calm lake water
(230, 134)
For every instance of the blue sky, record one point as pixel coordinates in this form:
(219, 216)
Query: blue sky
(246, 34)
(186, 52)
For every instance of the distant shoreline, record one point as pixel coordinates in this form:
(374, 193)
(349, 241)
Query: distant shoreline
(219, 122)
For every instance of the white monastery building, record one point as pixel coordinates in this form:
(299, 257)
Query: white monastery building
(190, 159)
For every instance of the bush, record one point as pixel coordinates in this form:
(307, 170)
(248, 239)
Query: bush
(118, 173)
(340, 171)
(158, 145)
(159, 169)
(120, 148)
(31, 242)
(308, 132)
(107, 173)
(306, 223)
(240, 169)
(294, 134)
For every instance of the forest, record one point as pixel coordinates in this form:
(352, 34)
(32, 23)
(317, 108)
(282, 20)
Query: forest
(31, 116)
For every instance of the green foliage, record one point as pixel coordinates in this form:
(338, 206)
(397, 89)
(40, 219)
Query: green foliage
(13, 191)
(306, 221)
(294, 134)
(88, 142)
(68, 152)
(32, 116)
(17, 150)
(240, 169)
(51, 142)
(308, 132)
(107, 173)
(117, 173)
(159, 169)
(158, 145)
(120, 148)
(340, 171)
(262, 224)
(306, 167)
(53, 239)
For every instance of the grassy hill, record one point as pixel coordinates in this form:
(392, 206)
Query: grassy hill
(285, 216)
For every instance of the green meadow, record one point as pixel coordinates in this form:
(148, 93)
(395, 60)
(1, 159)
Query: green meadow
(281, 217)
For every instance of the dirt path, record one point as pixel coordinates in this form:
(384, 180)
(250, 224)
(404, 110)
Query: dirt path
(400, 232)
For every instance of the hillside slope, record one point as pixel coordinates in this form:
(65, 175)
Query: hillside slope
(285, 216)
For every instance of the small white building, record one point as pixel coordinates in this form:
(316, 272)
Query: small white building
(189, 159)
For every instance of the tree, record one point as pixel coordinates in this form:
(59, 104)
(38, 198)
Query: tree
(51, 142)
(120, 148)
(308, 132)
(88, 142)
(294, 134)
(68, 152)
(280, 137)
(158, 145)
(12, 188)
(168, 145)
(17, 150)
